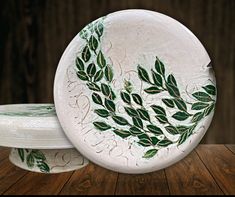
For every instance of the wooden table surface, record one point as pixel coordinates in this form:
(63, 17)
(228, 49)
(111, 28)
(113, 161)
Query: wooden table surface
(210, 169)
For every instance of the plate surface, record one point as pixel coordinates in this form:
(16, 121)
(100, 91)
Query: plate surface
(134, 91)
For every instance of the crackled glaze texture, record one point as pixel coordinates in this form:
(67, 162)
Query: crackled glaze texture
(135, 91)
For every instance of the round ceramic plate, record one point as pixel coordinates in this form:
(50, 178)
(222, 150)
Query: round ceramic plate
(134, 91)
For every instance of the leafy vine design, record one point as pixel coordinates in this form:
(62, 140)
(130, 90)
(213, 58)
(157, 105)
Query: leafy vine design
(93, 68)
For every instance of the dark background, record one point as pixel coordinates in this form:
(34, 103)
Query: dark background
(34, 34)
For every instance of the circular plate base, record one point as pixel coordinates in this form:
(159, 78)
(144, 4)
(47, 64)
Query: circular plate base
(47, 161)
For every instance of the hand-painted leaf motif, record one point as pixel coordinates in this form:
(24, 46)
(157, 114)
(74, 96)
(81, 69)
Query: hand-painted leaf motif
(98, 76)
(171, 80)
(209, 109)
(91, 70)
(180, 104)
(93, 43)
(97, 99)
(101, 60)
(158, 110)
(144, 136)
(120, 120)
(173, 90)
(79, 64)
(159, 66)
(153, 90)
(109, 105)
(164, 143)
(99, 29)
(102, 113)
(197, 117)
(181, 115)
(171, 129)
(182, 128)
(137, 122)
(150, 153)
(137, 99)
(106, 90)
(43, 167)
(199, 106)
(145, 143)
(93, 86)
(162, 119)
(183, 138)
(86, 54)
(154, 140)
(128, 86)
(154, 129)
(82, 75)
(157, 78)
(210, 89)
(131, 112)
(135, 131)
(168, 102)
(38, 155)
(202, 96)
(83, 34)
(30, 160)
(126, 97)
(143, 75)
(108, 72)
(143, 114)
(122, 133)
(21, 153)
(112, 95)
(102, 126)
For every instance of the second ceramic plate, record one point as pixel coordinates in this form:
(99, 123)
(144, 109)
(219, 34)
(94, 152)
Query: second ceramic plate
(134, 91)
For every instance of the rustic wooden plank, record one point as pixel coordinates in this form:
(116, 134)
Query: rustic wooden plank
(9, 174)
(231, 147)
(90, 180)
(221, 164)
(154, 183)
(190, 176)
(4, 153)
(39, 184)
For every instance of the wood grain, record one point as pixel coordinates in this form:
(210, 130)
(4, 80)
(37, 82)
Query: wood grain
(40, 184)
(152, 184)
(190, 176)
(231, 147)
(221, 164)
(91, 180)
(4, 153)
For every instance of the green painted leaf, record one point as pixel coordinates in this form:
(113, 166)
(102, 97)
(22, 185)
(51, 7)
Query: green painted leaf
(101, 60)
(108, 72)
(153, 90)
(86, 54)
(159, 66)
(98, 76)
(154, 129)
(137, 122)
(143, 75)
(21, 153)
(91, 70)
(93, 43)
(210, 89)
(209, 109)
(144, 136)
(171, 80)
(183, 138)
(126, 97)
(97, 99)
(122, 133)
(154, 140)
(162, 119)
(202, 96)
(168, 103)
(38, 155)
(106, 90)
(165, 142)
(182, 129)
(43, 167)
(82, 75)
(143, 114)
(99, 29)
(128, 86)
(172, 130)
(181, 115)
(79, 64)
(137, 99)
(135, 131)
(112, 96)
(157, 78)
(158, 110)
(131, 112)
(199, 106)
(180, 104)
(102, 126)
(197, 117)
(83, 34)
(120, 120)
(93, 86)
(150, 153)
(145, 143)
(102, 112)
(109, 105)
(30, 160)
(173, 90)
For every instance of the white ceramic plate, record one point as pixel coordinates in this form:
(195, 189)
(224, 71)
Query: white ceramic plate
(134, 91)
